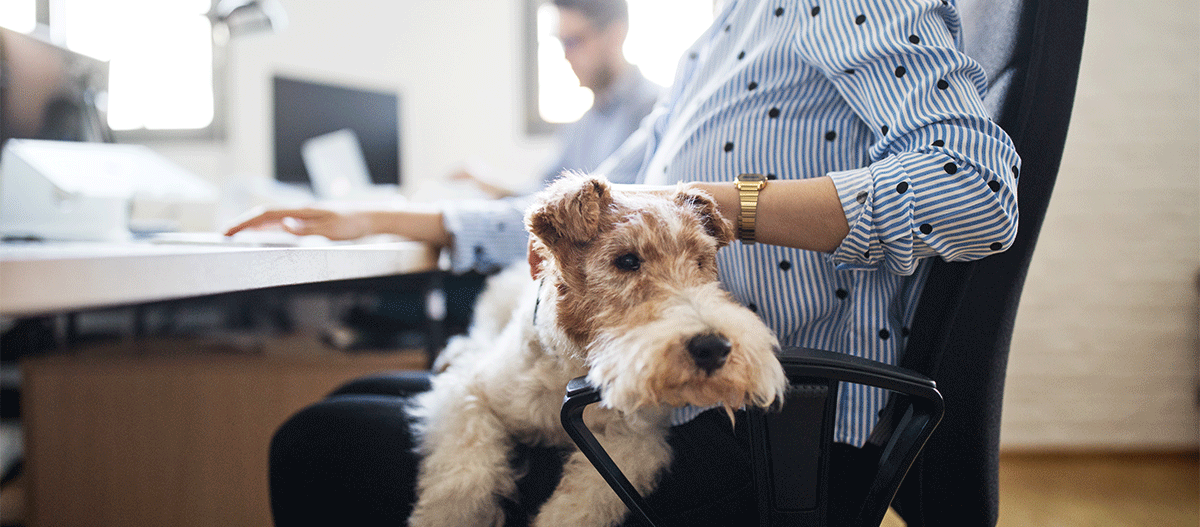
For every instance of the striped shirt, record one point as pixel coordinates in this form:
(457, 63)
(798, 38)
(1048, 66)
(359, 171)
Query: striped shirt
(872, 93)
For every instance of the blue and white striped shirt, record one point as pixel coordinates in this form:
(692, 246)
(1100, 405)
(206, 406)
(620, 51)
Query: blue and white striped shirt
(874, 94)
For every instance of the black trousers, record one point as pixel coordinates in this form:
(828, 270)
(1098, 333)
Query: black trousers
(348, 460)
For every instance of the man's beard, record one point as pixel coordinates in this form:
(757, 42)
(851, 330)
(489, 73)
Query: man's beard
(602, 79)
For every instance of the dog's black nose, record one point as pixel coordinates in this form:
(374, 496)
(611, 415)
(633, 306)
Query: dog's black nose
(709, 351)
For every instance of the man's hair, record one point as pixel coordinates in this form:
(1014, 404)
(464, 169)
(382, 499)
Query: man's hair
(601, 13)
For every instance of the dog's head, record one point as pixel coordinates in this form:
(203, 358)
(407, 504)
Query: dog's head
(635, 288)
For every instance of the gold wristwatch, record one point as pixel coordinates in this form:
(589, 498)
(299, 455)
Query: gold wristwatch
(748, 185)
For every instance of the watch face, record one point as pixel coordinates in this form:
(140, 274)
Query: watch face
(752, 178)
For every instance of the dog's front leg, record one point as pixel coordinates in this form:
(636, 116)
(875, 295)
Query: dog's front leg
(466, 470)
(584, 499)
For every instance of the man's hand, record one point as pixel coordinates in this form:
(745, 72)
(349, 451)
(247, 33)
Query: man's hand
(417, 222)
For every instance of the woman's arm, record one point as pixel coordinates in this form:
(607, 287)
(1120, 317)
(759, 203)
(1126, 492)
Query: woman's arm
(803, 214)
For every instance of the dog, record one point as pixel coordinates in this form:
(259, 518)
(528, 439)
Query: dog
(624, 290)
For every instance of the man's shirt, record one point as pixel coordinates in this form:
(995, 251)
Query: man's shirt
(490, 234)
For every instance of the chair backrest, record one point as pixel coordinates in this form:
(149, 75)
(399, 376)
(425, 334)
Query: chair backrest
(1031, 52)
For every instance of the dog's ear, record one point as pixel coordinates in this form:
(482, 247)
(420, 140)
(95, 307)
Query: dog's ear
(569, 211)
(714, 223)
(536, 258)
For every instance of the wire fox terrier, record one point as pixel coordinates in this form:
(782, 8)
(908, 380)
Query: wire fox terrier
(624, 291)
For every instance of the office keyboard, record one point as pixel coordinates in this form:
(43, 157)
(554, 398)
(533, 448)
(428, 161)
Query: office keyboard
(241, 239)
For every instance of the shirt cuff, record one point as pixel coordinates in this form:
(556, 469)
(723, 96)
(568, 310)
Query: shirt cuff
(487, 235)
(878, 207)
(854, 189)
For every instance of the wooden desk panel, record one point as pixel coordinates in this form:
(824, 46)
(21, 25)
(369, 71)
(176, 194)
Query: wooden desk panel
(176, 440)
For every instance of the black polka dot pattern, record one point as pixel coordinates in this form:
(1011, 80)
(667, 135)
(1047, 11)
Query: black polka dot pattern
(848, 71)
(950, 168)
(860, 20)
(914, 39)
(885, 334)
(842, 293)
(779, 11)
(752, 86)
(752, 307)
(994, 185)
(816, 10)
(830, 135)
(884, 129)
(728, 147)
(902, 187)
(900, 71)
(926, 228)
(785, 265)
(996, 246)
(861, 197)
(741, 55)
(939, 143)
(1014, 171)
(773, 113)
(772, 177)
(942, 84)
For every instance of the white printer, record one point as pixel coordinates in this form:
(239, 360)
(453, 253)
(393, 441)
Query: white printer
(58, 190)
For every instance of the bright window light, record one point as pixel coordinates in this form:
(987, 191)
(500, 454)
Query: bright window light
(19, 15)
(659, 32)
(160, 59)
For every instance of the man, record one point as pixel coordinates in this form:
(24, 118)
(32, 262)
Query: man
(592, 33)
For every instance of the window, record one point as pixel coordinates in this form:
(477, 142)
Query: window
(553, 94)
(19, 15)
(160, 54)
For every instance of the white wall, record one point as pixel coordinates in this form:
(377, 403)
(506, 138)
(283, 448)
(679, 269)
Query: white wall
(1105, 349)
(454, 63)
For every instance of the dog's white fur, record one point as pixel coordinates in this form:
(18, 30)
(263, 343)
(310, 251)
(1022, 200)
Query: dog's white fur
(626, 330)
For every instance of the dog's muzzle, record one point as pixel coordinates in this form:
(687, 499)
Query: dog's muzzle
(709, 351)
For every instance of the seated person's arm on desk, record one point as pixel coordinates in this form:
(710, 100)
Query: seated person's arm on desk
(416, 222)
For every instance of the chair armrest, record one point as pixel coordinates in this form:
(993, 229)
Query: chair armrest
(905, 424)
(903, 430)
(580, 394)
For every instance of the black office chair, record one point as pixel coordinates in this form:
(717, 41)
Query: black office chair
(960, 335)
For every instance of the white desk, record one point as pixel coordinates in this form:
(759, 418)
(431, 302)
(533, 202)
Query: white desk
(43, 278)
(166, 432)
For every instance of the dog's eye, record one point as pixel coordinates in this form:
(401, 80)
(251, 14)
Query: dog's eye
(628, 262)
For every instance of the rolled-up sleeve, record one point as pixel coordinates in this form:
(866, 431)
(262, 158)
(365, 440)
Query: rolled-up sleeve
(486, 235)
(942, 176)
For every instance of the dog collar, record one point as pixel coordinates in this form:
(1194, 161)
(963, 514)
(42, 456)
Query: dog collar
(537, 302)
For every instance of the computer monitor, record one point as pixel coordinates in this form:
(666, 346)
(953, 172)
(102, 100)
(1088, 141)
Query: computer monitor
(307, 109)
(49, 92)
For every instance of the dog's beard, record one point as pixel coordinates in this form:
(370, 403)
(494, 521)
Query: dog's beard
(649, 365)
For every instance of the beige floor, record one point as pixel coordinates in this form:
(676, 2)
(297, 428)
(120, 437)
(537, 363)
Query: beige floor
(1089, 490)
